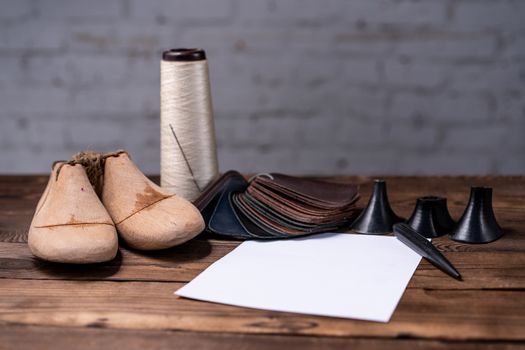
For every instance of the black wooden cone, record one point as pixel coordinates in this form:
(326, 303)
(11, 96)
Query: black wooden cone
(478, 223)
(430, 217)
(378, 217)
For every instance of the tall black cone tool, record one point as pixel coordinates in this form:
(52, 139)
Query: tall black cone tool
(423, 247)
(430, 217)
(478, 223)
(378, 217)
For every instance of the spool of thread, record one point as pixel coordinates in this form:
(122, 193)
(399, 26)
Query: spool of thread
(188, 155)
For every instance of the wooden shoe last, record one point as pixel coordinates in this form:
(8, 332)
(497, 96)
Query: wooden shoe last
(70, 224)
(147, 217)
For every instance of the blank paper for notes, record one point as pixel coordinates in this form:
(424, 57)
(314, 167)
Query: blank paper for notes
(340, 275)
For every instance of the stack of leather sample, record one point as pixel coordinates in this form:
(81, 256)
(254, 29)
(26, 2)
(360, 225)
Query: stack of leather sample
(275, 206)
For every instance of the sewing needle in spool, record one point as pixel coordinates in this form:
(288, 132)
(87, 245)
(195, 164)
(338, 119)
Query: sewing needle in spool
(185, 158)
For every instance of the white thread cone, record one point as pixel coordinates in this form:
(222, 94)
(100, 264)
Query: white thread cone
(190, 164)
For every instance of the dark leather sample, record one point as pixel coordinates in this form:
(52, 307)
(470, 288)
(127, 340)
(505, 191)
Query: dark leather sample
(275, 206)
(320, 194)
(223, 219)
(215, 207)
(209, 198)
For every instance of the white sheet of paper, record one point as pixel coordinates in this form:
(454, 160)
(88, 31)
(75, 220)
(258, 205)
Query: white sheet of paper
(339, 275)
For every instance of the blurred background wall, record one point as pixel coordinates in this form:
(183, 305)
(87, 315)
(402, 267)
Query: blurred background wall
(299, 86)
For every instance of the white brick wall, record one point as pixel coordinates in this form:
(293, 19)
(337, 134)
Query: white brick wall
(318, 87)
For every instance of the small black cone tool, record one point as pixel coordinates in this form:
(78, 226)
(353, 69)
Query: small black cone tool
(378, 217)
(478, 223)
(423, 247)
(431, 218)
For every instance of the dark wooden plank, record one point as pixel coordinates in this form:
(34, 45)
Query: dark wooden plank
(442, 314)
(488, 305)
(179, 264)
(497, 270)
(479, 270)
(51, 338)
(18, 198)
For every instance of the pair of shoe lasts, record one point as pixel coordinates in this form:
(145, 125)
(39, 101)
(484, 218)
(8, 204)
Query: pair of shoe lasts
(72, 225)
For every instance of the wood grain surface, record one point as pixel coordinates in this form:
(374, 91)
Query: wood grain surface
(129, 302)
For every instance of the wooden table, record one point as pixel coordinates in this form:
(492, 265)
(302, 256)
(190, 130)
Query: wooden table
(129, 302)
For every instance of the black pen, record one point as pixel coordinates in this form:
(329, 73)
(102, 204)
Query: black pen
(423, 247)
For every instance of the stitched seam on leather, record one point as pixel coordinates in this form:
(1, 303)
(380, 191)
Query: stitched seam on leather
(147, 206)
